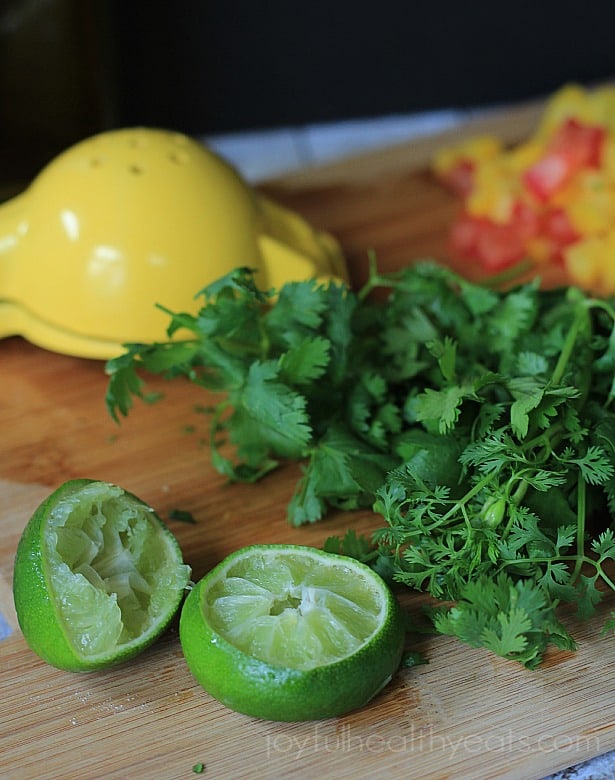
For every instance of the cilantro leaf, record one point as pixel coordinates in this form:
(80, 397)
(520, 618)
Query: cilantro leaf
(512, 619)
(441, 406)
(269, 415)
(305, 361)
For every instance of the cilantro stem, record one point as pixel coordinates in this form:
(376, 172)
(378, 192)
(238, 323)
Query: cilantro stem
(374, 279)
(460, 504)
(520, 491)
(605, 577)
(597, 303)
(510, 275)
(581, 512)
(579, 562)
(546, 438)
(581, 318)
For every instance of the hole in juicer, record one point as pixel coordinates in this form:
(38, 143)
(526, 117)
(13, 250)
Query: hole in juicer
(178, 157)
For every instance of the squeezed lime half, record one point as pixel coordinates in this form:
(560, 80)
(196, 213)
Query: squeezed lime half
(97, 576)
(291, 633)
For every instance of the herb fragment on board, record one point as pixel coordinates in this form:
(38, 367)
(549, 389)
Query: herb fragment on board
(411, 659)
(183, 515)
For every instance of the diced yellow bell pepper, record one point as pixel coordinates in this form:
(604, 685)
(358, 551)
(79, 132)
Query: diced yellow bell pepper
(477, 149)
(584, 259)
(539, 250)
(589, 201)
(522, 156)
(570, 100)
(591, 262)
(603, 102)
(496, 190)
(608, 159)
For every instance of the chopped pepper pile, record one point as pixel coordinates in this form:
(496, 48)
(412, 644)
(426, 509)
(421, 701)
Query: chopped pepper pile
(550, 199)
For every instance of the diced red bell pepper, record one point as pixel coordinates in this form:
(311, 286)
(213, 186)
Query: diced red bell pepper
(574, 146)
(548, 175)
(559, 232)
(459, 178)
(494, 245)
(581, 141)
(558, 228)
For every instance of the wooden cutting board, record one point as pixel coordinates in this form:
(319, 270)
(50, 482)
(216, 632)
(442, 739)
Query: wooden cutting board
(465, 714)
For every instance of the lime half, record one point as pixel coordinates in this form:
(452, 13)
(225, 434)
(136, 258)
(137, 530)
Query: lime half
(291, 633)
(97, 576)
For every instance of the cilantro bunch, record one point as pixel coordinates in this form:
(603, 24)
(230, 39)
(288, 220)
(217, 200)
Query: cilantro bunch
(300, 377)
(477, 423)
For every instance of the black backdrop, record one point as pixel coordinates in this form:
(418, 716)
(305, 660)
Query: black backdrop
(72, 67)
(220, 66)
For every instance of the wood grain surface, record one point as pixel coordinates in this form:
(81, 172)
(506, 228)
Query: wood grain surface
(465, 715)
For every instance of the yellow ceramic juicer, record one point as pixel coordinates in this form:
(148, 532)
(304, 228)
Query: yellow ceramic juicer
(128, 219)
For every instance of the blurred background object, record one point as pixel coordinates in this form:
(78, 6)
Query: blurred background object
(72, 67)
(55, 80)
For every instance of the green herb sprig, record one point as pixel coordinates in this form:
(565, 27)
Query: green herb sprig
(478, 424)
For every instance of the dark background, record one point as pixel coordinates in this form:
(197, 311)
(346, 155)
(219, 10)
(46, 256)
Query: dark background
(69, 68)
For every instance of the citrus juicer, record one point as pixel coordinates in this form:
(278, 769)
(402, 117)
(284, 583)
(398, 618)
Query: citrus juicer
(135, 217)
